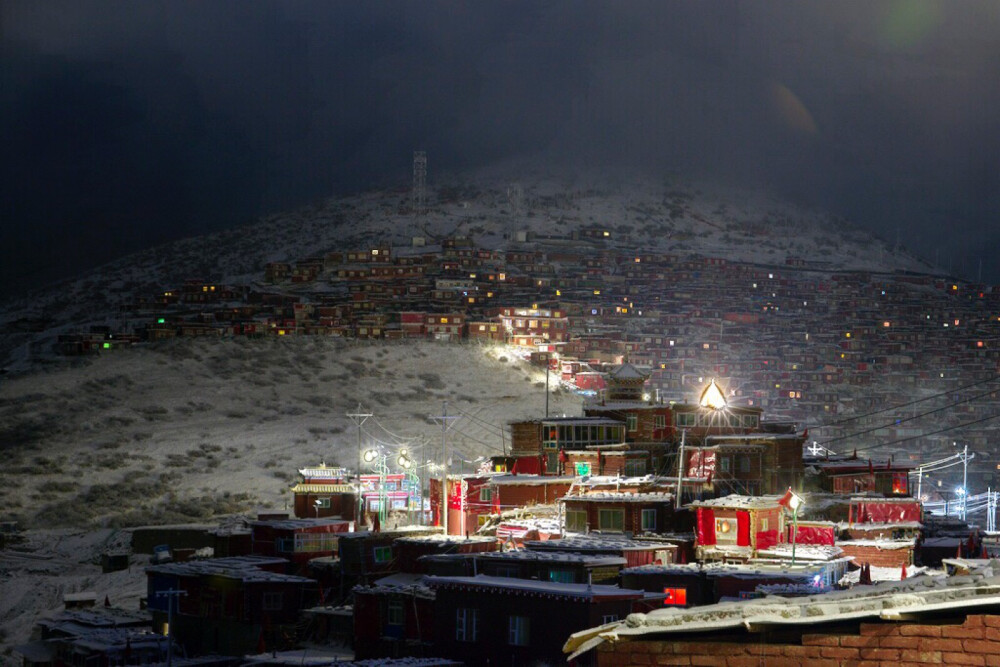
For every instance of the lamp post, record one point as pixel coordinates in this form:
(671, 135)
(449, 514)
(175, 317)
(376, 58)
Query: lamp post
(794, 503)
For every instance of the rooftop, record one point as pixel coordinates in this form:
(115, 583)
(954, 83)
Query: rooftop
(533, 587)
(890, 600)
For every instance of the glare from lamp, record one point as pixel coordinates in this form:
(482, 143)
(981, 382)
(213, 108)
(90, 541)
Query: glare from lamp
(713, 397)
(370, 455)
(795, 502)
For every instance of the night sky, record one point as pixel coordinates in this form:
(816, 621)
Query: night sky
(127, 124)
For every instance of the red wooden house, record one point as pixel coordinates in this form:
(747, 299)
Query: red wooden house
(298, 540)
(736, 527)
(324, 492)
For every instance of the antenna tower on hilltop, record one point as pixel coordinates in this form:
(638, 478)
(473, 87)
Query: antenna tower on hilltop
(418, 198)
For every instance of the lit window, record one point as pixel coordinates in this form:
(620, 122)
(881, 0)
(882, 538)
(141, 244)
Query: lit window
(383, 554)
(675, 596)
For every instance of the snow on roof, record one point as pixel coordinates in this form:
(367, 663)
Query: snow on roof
(227, 567)
(553, 557)
(888, 600)
(628, 371)
(441, 538)
(594, 542)
(509, 584)
(802, 551)
(844, 525)
(532, 479)
(293, 524)
(609, 406)
(402, 582)
(582, 421)
(882, 545)
(740, 502)
(619, 496)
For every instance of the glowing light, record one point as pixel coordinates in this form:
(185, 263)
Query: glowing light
(713, 397)
(370, 455)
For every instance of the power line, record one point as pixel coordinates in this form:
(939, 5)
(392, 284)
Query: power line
(914, 402)
(907, 419)
(924, 435)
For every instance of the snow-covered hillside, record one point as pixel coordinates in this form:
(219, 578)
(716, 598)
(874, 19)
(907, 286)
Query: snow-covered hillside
(190, 429)
(670, 216)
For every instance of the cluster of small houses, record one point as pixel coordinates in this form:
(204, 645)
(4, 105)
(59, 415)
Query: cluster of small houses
(805, 341)
(668, 512)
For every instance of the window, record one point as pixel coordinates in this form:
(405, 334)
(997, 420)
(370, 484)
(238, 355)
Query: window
(576, 521)
(561, 576)
(632, 421)
(723, 464)
(608, 618)
(649, 520)
(635, 467)
(763, 525)
(744, 461)
(660, 421)
(323, 503)
(750, 421)
(675, 596)
(272, 601)
(485, 495)
(613, 520)
(686, 419)
(518, 631)
(394, 612)
(466, 624)
(383, 554)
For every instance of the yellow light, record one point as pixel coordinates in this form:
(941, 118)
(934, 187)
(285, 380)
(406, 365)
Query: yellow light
(847, 335)
(886, 324)
(713, 397)
(558, 293)
(637, 260)
(597, 292)
(607, 233)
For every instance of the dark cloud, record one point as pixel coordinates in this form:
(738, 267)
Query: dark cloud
(126, 124)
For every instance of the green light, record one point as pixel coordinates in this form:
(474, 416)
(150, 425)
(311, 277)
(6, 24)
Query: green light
(162, 320)
(107, 346)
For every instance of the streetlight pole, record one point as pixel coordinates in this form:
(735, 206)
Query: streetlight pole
(965, 480)
(680, 471)
(446, 422)
(359, 418)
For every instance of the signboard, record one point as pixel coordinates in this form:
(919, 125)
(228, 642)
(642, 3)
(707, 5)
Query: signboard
(582, 468)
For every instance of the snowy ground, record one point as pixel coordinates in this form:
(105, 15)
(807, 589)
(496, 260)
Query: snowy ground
(186, 429)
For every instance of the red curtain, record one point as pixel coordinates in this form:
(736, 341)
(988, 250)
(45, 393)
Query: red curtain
(742, 529)
(706, 526)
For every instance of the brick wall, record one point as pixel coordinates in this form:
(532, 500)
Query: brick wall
(974, 642)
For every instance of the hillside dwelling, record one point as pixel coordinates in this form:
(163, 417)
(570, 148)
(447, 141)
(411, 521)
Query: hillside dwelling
(367, 555)
(948, 621)
(611, 460)
(410, 550)
(96, 646)
(695, 585)
(324, 492)
(519, 621)
(549, 437)
(231, 605)
(482, 496)
(393, 618)
(485, 331)
(853, 475)
(775, 451)
(444, 326)
(562, 567)
(635, 552)
(399, 492)
(734, 528)
(626, 513)
(731, 468)
(297, 540)
(531, 327)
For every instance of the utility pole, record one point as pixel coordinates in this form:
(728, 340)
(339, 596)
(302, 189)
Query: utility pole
(446, 422)
(359, 418)
(171, 594)
(680, 471)
(548, 355)
(965, 480)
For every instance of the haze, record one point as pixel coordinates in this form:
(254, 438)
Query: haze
(129, 124)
